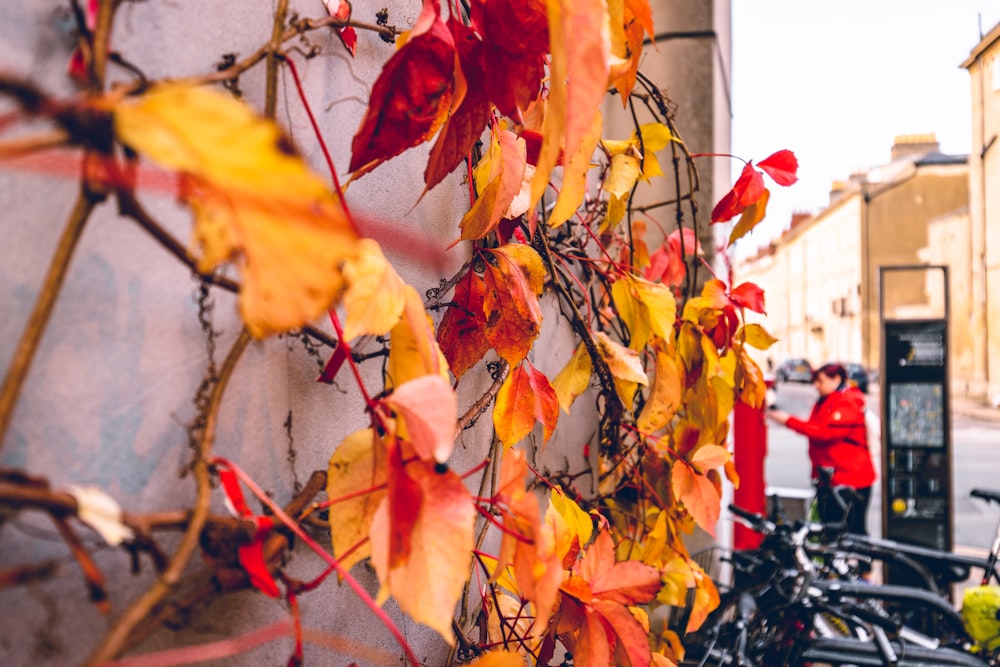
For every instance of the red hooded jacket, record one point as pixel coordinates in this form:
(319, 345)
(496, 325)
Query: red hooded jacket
(838, 438)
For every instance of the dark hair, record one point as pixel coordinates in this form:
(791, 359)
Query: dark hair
(831, 370)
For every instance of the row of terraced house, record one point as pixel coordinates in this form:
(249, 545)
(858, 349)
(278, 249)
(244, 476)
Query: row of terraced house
(832, 276)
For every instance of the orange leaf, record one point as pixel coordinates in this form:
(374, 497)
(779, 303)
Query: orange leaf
(588, 57)
(627, 582)
(527, 543)
(525, 397)
(409, 101)
(513, 316)
(505, 164)
(356, 467)
(429, 409)
(709, 456)
(498, 659)
(699, 495)
(574, 181)
(428, 584)
(462, 334)
(750, 217)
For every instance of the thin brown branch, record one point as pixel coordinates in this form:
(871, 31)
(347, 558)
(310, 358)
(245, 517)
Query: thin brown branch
(484, 401)
(271, 77)
(39, 318)
(115, 640)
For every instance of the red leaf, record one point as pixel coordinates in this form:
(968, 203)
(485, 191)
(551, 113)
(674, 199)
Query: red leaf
(405, 499)
(667, 264)
(409, 101)
(466, 123)
(251, 556)
(749, 187)
(513, 316)
(515, 40)
(781, 166)
(347, 34)
(748, 295)
(461, 335)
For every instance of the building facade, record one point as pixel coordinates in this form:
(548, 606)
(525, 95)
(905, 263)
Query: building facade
(821, 277)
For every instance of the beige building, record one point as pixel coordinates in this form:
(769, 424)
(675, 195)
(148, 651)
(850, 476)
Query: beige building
(821, 277)
(982, 257)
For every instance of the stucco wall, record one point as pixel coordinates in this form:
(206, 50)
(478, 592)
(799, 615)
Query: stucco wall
(110, 393)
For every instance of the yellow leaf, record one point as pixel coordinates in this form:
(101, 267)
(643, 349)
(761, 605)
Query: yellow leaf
(554, 123)
(413, 350)
(574, 378)
(498, 178)
(255, 202)
(428, 584)
(699, 495)
(758, 337)
(624, 364)
(354, 468)
(753, 214)
(374, 299)
(664, 398)
(578, 523)
(646, 308)
(574, 182)
(622, 175)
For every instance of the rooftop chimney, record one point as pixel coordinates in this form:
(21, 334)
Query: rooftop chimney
(914, 144)
(837, 189)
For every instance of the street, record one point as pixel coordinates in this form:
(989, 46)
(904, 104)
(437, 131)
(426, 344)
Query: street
(975, 463)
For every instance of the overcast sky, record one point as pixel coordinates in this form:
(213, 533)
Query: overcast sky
(836, 82)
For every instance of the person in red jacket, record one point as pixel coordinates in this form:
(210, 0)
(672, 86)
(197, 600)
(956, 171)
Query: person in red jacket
(838, 439)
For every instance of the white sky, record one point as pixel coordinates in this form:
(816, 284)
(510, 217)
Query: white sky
(836, 82)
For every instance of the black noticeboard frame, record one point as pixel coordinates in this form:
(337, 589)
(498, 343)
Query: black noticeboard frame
(917, 497)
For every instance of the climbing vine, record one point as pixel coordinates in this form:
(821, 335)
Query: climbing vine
(509, 93)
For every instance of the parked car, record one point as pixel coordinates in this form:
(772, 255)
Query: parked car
(794, 370)
(857, 375)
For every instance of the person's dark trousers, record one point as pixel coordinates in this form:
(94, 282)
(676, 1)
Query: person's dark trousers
(830, 511)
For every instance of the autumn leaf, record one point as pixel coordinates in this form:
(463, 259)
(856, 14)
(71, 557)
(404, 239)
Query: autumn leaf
(462, 334)
(251, 553)
(596, 623)
(513, 316)
(646, 308)
(579, 68)
(664, 397)
(465, 123)
(525, 397)
(429, 409)
(498, 179)
(749, 187)
(752, 215)
(574, 180)
(410, 99)
(413, 349)
(699, 495)
(624, 364)
(356, 480)
(781, 166)
(626, 47)
(341, 9)
(667, 263)
(745, 295)
(498, 659)
(428, 583)
(574, 378)
(528, 545)
(255, 202)
(571, 526)
(757, 336)
(374, 298)
(709, 456)
(515, 37)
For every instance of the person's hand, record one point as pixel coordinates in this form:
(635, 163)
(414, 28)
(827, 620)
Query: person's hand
(779, 416)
